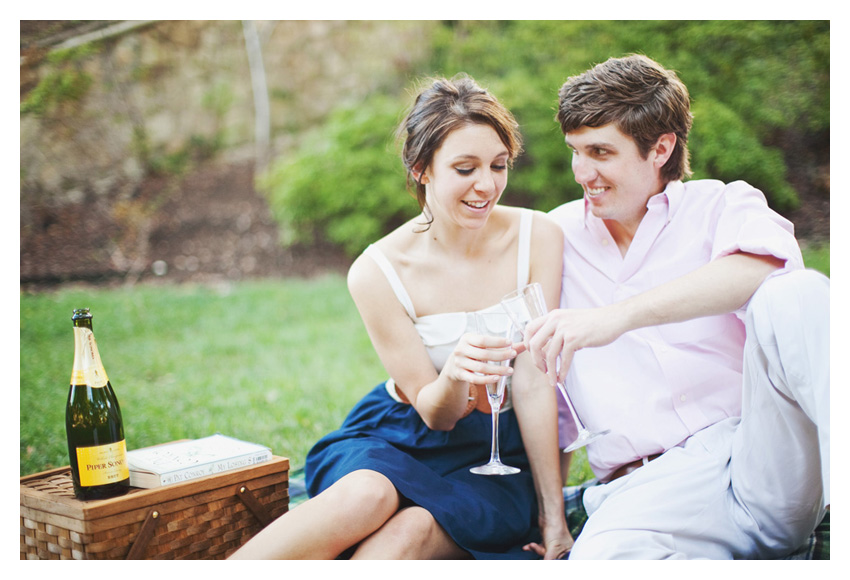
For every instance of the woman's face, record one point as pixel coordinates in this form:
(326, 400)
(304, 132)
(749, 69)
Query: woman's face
(467, 176)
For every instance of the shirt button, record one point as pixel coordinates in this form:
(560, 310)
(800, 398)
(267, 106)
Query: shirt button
(683, 398)
(605, 242)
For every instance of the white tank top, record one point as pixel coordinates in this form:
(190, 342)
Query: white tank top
(441, 332)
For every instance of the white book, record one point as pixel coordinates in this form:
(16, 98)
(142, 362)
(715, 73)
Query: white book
(186, 460)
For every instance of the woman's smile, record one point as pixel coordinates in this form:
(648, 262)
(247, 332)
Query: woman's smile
(470, 169)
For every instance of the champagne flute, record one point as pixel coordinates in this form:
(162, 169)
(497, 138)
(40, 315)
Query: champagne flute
(494, 324)
(523, 306)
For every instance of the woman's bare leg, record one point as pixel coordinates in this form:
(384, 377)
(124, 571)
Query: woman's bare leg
(328, 524)
(411, 534)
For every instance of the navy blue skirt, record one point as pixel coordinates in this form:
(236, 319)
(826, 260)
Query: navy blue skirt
(487, 515)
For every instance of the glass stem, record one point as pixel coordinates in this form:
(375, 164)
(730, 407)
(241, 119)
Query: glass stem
(578, 422)
(494, 441)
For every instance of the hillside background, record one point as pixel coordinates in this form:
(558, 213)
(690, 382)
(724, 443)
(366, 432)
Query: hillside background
(147, 156)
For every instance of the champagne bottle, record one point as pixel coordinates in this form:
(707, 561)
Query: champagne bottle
(96, 446)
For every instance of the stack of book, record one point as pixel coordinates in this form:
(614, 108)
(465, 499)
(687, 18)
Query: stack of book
(186, 460)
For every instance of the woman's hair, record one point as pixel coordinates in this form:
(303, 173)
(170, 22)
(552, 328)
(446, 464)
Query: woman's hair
(643, 99)
(443, 106)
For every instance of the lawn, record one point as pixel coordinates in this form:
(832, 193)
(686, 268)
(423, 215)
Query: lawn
(278, 362)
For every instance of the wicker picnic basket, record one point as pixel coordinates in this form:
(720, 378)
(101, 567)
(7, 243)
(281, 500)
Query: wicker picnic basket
(206, 518)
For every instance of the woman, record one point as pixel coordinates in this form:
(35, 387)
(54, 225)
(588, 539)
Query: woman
(394, 480)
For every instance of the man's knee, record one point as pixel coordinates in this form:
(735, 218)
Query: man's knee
(789, 303)
(803, 289)
(788, 320)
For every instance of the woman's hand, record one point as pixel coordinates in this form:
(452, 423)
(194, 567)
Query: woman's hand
(557, 542)
(476, 359)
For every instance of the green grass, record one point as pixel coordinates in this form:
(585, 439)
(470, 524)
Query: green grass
(278, 362)
(817, 256)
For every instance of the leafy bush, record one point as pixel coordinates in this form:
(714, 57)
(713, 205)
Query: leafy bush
(344, 183)
(760, 92)
(725, 148)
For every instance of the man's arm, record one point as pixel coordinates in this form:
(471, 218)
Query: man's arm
(719, 287)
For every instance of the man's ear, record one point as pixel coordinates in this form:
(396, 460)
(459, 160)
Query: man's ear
(664, 149)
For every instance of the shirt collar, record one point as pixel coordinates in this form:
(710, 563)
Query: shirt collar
(672, 195)
(674, 192)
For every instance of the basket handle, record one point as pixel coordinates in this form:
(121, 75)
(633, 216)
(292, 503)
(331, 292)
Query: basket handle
(137, 550)
(253, 504)
(140, 544)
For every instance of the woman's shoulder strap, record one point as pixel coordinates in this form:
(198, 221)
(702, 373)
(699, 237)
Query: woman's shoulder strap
(524, 247)
(392, 277)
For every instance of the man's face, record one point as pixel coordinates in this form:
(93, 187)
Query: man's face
(616, 179)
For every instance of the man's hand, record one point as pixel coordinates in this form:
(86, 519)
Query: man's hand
(721, 286)
(562, 332)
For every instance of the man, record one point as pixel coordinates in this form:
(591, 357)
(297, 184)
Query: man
(689, 328)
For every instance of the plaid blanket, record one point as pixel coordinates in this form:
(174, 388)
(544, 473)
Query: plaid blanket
(816, 548)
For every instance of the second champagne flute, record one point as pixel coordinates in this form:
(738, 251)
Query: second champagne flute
(523, 306)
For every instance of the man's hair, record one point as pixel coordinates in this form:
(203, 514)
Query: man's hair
(640, 97)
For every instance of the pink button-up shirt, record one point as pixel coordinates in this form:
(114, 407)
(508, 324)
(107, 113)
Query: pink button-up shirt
(654, 387)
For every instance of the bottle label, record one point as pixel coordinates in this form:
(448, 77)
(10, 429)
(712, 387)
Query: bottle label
(103, 464)
(88, 368)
